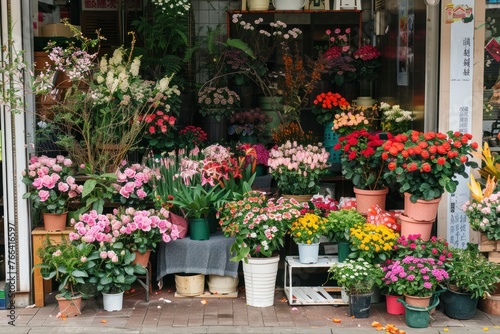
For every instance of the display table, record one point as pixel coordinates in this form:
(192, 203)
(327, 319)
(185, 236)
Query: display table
(208, 257)
(310, 295)
(39, 284)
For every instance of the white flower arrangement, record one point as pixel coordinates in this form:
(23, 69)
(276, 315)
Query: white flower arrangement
(394, 119)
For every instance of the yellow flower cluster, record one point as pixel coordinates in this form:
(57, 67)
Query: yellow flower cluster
(373, 241)
(308, 228)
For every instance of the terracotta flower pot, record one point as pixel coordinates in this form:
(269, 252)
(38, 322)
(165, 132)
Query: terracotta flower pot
(365, 199)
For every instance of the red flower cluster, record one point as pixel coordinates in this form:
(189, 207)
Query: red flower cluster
(190, 137)
(366, 52)
(424, 164)
(325, 105)
(157, 130)
(158, 122)
(361, 159)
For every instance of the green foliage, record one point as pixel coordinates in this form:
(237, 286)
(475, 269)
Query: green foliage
(70, 264)
(470, 272)
(115, 272)
(96, 190)
(341, 221)
(197, 201)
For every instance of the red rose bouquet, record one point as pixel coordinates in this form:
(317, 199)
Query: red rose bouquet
(367, 63)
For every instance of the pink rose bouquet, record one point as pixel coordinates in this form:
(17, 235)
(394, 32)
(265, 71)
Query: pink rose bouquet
(297, 168)
(51, 185)
(132, 184)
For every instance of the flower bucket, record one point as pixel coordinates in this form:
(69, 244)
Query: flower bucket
(343, 250)
(53, 222)
(359, 306)
(112, 301)
(418, 301)
(459, 305)
(190, 284)
(308, 253)
(222, 284)
(330, 139)
(393, 305)
(260, 280)
(418, 317)
(199, 229)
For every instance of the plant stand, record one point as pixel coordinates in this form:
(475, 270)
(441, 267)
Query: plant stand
(310, 295)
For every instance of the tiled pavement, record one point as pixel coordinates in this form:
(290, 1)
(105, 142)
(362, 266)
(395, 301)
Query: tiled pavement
(166, 313)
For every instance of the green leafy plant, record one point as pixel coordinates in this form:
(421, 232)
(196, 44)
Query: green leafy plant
(341, 221)
(470, 272)
(69, 263)
(115, 272)
(97, 189)
(196, 201)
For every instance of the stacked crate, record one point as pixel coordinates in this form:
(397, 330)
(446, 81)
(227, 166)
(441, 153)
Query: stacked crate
(4, 296)
(492, 247)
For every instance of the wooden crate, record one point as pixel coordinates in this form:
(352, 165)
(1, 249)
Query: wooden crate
(487, 245)
(494, 256)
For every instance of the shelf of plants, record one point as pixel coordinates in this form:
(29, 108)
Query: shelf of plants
(310, 295)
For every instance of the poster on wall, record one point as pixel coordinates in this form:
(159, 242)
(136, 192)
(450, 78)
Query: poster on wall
(406, 28)
(461, 18)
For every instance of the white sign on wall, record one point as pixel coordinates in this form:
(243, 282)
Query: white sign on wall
(461, 18)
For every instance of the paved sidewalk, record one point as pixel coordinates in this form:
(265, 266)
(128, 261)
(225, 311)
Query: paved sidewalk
(166, 313)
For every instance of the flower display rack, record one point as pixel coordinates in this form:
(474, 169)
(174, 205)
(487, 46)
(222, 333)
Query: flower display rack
(310, 295)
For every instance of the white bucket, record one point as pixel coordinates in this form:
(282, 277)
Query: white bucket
(308, 253)
(112, 301)
(288, 4)
(222, 284)
(260, 280)
(190, 284)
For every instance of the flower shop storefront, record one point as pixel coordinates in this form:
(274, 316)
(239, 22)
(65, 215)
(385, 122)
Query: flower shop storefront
(179, 177)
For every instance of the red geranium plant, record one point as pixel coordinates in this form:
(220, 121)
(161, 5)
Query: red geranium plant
(361, 159)
(425, 164)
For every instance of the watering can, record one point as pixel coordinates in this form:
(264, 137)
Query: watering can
(419, 317)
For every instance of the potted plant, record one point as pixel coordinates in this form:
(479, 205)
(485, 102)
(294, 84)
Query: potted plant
(190, 137)
(115, 271)
(340, 223)
(51, 187)
(415, 278)
(367, 62)
(259, 226)
(297, 168)
(306, 231)
(363, 165)
(372, 242)
(248, 125)
(197, 202)
(142, 230)
(339, 51)
(262, 154)
(424, 166)
(358, 278)
(471, 276)
(413, 245)
(70, 264)
(350, 121)
(482, 208)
